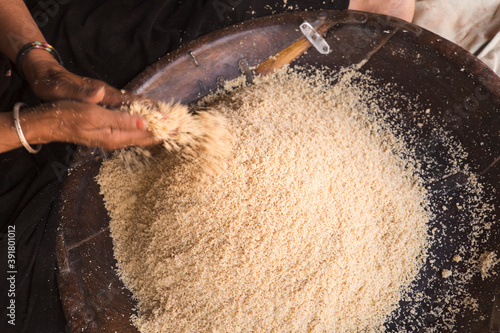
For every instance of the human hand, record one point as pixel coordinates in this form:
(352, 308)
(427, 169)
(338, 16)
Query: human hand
(51, 82)
(84, 123)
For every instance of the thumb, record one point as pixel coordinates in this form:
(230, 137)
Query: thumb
(78, 89)
(85, 93)
(95, 95)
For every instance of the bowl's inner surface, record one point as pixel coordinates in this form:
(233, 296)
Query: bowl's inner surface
(462, 93)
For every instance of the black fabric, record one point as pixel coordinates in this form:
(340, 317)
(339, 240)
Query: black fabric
(28, 190)
(5, 74)
(111, 40)
(114, 40)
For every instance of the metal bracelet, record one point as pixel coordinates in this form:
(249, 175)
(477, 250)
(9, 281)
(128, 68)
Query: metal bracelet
(19, 131)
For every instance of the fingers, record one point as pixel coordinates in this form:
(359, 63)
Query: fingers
(93, 125)
(87, 92)
(53, 82)
(97, 92)
(79, 115)
(115, 139)
(116, 98)
(124, 130)
(123, 121)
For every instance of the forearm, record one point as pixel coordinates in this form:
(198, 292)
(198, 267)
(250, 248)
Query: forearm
(17, 28)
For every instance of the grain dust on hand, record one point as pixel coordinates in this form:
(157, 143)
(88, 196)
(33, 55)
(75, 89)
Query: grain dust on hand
(200, 136)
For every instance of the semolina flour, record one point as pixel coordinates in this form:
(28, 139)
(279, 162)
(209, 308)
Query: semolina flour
(316, 220)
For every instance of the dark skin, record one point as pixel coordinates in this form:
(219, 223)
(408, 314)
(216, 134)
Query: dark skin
(75, 110)
(84, 119)
(50, 81)
(77, 114)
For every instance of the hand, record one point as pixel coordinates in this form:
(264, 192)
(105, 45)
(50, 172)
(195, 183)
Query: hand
(83, 123)
(51, 82)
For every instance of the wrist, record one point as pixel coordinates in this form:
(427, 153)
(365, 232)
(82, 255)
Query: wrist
(38, 126)
(37, 63)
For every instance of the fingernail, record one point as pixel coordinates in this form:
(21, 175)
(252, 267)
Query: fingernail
(141, 123)
(100, 92)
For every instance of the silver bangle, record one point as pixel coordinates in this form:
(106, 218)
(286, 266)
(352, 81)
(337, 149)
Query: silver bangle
(19, 131)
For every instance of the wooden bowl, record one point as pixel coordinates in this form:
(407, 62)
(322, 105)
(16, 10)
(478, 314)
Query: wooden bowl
(462, 91)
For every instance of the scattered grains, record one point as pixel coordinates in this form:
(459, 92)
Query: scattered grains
(457, 258)
(446, 273)
(471, 303)
(314, 225)
(317, 221)
(487, 261)
(201, 136)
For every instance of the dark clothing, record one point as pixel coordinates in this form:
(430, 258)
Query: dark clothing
(5, 73)
(114, 40)
(110, 40)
